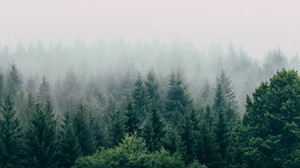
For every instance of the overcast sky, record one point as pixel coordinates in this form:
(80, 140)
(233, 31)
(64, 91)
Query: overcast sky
(256, 25)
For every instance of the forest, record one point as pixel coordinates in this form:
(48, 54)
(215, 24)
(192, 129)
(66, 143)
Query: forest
(114, 104)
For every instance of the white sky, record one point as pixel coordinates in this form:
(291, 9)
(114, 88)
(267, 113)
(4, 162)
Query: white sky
(256, 25)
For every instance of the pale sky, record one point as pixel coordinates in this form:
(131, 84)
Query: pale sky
(256, 25)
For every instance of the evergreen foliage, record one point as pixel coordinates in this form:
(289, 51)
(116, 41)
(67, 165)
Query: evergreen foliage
(10, 136)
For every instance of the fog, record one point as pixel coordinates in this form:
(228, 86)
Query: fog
(255, 25)
(107, 40)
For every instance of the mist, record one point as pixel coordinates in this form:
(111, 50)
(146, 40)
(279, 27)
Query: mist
(167, 82)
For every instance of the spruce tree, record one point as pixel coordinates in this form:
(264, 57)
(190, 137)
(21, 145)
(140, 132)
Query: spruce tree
(153, 130)
(152, 86)
(41, 138)
(84, 132)
(178, 99)
(69, 149)
(117, 126)
(44, 90)
(1, 87)
(271, 124)
(140, 98)
(10, 136)
(132, 120)
(13, 81)
(221, 130)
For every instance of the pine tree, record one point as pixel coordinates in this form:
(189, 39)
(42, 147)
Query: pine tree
(206, 140)
(117, 126)
(69, 149)
(1, 87)
(152, 86)
(178, 99)
(140, 98)
(172, 140)
(13, 81)
(10, 136)
(84, 132)
(190, 133)
(44, 91)
(153, 130)
(222, 134)
(41, 138)
(133, 121)
(271, 125)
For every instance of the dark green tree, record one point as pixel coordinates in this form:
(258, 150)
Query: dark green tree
(83, 130)
(117, 126)
(41, 138)
(271, 124)
(178, 99)
(10, 136)
(221, 129)
(172, 140)
(153, 130)
(140, 98)
(69, 149)
(190, 134)
(152, 86)
(132, 120)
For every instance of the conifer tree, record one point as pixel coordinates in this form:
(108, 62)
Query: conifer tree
(153, 130)
(13, 81)
(41, 138)
(140, 98)
(69, 149)
(83, 131)
(222, 134)
(152, 86)
(117, 126)
(132, 120)
(10, 136)
(44, 91)
(178, 99)
(1, 87)
(271, 124)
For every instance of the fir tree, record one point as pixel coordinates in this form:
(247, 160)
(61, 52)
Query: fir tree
(13, 81)
(69, 149)
(83, 131)
(140, 98)
(44, 90)
(117, 126)
(178, 99)
(10, 136)
(133, 121)
(152, 86)
(41, 138)
(153, 130)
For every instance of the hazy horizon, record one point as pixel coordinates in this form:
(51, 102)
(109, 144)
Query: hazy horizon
(256, 26)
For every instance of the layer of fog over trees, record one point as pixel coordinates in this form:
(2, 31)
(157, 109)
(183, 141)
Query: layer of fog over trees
(115, 104)
(111, 64)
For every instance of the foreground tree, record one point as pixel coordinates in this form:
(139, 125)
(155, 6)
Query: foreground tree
(69, 148)
(272, 122)
(41, 138)
(131, 153)
(10, 136)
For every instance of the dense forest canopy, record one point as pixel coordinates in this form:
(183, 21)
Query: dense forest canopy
(147, 105)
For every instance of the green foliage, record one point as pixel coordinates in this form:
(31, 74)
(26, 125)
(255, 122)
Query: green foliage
(10, 136)
(41, 138)
(133, 119)
(83, 131)
(131, 153)
(1, 86)
(178, 99)
(271, 123)
(196, 164)
(140, 98)
(44, 91)
(153, 130)
(116, 127)
(69, 149)
(13, 81)
(152, 86)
